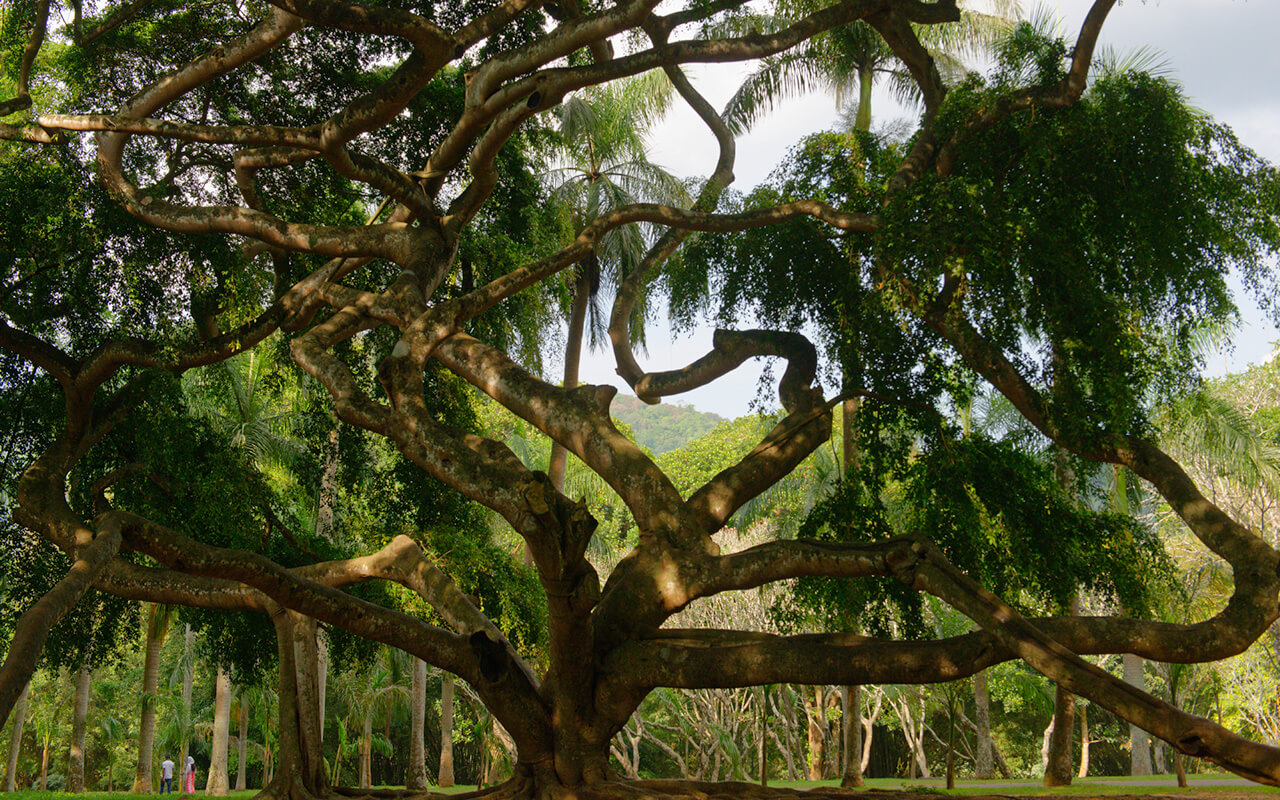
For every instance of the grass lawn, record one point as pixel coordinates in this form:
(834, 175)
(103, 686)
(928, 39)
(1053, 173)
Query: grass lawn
(1201, 786)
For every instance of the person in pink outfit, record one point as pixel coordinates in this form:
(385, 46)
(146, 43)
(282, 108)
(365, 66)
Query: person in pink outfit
(189, 777)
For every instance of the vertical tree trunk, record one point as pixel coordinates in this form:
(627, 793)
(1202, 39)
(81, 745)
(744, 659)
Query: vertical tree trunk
(188, 681)
(79, 716)
(366, 748)
(1084, 741)
(1058, 765)
(814, 709)
(157, 628)
(985, 767)
(1139, 741)
(851, 720)
(15, 739)
(242, 746)
(44, 761)
(445, 774)
(322, 677)
(416, 777)
(217, 783)
(1180, 766)
(296, 768)
(328, 488)
(572, 360)
(951, 743)
(761, 732)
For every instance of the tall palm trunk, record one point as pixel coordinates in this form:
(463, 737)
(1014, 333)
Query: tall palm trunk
(217, 784)
(44, 760)
(572, 361)
(242, 745)
(15, 739)
(1139, 740)
(866, 79)
(366, 747)
(416, 777)
(157, 628)
(445, 775)
(79, 715)
(188, 680)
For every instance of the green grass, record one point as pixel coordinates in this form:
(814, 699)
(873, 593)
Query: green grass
(964, 787)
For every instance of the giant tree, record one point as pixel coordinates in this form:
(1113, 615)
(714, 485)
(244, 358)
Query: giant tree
(333, 173)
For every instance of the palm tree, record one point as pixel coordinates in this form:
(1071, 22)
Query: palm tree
(603, 166)
(158, 619)
(846, 62)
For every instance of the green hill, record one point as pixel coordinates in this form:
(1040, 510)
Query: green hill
(663, 427)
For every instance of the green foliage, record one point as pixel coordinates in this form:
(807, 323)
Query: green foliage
(665, 426)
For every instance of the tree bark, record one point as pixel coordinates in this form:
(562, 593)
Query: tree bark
(572, 361)
(15, 739)
(985, 767)
(217, 783)
(816, 712)
(322, 677)
(1139, 740)
(328, 488)
(444, 775)
(296, 768)
(188, 683)
(366, 750)
(851, 721)
(242, 745)
(79, 717)
(1084, 741)
(416, 777)
(1058, 765)
(157, 629)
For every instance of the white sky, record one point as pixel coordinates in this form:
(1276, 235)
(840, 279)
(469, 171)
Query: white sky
(1224, 52)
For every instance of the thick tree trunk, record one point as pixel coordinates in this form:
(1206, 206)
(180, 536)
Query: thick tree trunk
(79, 716)
(1084, 741)
(242, 745)
(322, 678)
(985, 766)
(762, 749)
(217, 783)
(1139, 740)
(1058, 765)
(15, 739)
(444, 776)
(296, 768)
(157, 628)
(416, 777)
(851, 721)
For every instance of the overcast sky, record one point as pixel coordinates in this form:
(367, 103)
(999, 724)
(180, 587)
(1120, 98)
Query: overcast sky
(1224, 52)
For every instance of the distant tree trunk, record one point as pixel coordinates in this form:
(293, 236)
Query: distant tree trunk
(322, 677)
(761, 728)
(79, 715)
(44, 760)
(1139, 740)
(188, 681)
(328, 488)
(814, 709)
(985, 767)
(444, 776)
(1058, 770)
(851, 720)
(15, 739)
(572, 359)
(366, 748)
(242, 746)
(1084, 742)
(217, 783)
(157, 629)
(416, 777)
(1180, 766)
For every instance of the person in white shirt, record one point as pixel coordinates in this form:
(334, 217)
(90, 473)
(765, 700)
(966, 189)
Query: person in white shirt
(166, 777)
